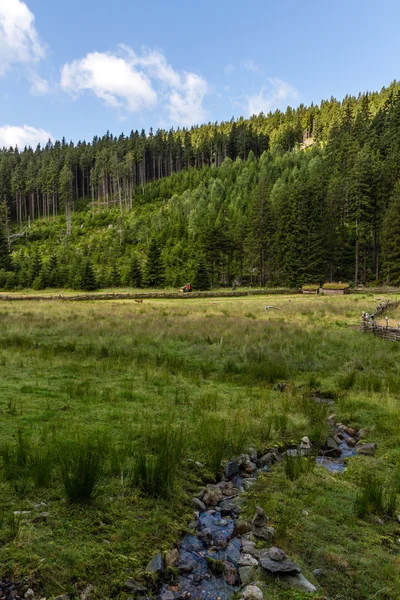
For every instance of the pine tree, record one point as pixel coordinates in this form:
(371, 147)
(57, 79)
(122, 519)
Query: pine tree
(135, 273)
(201, 278)
(115, 276)
(5, 256)
(154, 271)
(391, 240)
(87, 279)
(36, 266)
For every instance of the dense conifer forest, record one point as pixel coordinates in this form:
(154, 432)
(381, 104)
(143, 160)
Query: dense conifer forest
(303, 196)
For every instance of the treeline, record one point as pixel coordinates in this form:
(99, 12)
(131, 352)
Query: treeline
(324, 206)
(39, 183)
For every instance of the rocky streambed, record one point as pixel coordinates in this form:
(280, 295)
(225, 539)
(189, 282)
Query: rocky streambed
(224, 555)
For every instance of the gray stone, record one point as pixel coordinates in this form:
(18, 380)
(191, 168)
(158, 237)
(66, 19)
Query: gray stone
(228, 507)
(277, 554)
(318, 572)
(167, 595)
(156, 565)
(230, 573)
(366, 449)
(246, 574)
(199, 504)
(172, 558)
(213, 495)
(40, 505)
(134, 586)
(242, 527)
(246, 560)
(267, 460)
(62, 597)
(20, 513)
(264, 533)
(398, 518)
(260, 518)
(249, 547)
(275, 567)
(331, 444)
(29, 594)
(252, 592)
(231, 468)
(299, 582)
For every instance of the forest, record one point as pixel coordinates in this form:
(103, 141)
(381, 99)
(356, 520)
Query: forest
(303, 196)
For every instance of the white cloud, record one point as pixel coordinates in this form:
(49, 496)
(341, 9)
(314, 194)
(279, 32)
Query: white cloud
(135, 82)
(19, 41)
(13, 135)
(278, 95)
(111, 78)
(229, 69)
(250, 65)
(186, 102)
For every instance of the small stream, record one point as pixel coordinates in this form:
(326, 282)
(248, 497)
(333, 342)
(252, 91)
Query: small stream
(215, 535)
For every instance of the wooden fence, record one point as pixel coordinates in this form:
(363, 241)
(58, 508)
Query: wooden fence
(148, 295)
(368, 324)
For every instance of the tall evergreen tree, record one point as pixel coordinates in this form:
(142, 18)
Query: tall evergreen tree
(154, 270)
(88, 278)
(135, 273)
(201, 278)
(5, 256)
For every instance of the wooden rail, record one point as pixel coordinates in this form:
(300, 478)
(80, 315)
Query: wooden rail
(149, 295)
(368, 324)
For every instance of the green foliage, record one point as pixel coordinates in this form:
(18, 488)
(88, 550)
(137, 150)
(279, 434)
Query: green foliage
(335, 286)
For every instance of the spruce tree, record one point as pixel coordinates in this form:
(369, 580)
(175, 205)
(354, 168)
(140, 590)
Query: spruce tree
(115, 276)
(154, 271)
(391, 239)
(88, 279)
(5, 257)
(36, 266)
(201, 278)
(135, 273)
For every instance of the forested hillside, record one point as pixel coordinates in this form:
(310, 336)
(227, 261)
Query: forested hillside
(303, 196)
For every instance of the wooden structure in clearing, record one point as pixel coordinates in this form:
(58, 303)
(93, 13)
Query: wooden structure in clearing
(368, 324)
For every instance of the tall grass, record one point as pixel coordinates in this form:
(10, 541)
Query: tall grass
(81, 466)
(296, 466)
(374, 497)
(220, 439)
(157, 461)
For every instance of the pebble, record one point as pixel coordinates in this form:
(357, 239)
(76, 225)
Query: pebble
(252, 592)
(199, 504)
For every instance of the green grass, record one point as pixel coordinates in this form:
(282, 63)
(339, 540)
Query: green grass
(103, 403)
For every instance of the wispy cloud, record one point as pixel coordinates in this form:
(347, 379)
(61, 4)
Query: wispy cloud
(135, 82)
(250, 65)
(278, 94)
(228, 69)
(12, 135)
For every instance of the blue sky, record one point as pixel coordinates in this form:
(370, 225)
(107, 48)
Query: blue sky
(77, 68)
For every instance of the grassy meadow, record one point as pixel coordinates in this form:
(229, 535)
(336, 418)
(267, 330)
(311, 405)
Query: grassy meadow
(105, 407)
